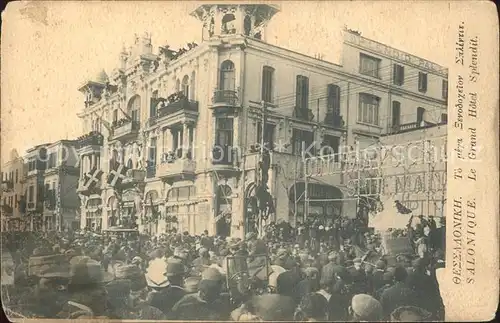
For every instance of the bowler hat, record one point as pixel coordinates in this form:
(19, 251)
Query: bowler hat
(174, 269)
(86, 271)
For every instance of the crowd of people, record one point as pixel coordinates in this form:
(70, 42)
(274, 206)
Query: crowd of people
(317, 272)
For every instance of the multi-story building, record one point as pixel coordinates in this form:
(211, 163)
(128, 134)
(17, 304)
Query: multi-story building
(12, 193)
(187, 123)
(35, 165)
(61, 203)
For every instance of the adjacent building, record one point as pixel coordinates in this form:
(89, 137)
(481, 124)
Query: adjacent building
(12, 193)
(171, 138)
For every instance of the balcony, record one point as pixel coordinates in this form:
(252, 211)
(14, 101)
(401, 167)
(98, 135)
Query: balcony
(7, 185)
(125, 129)
(225, 99)
(134, 177)
(176, 169)
(176, 109)
(333, 120)
(303, 114)
(90, 142)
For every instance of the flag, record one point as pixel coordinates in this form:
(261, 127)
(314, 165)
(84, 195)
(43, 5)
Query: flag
(117, 174)
(92, 178)
(401, 208)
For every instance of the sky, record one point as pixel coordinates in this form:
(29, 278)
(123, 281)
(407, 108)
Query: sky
(49, 49)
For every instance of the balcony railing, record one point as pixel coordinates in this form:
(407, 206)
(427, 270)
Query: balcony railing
(179, 166)
(303, 114)
(125, 127)
(224, 155)
(228, 97)
(334, 120)
(93, 138)
(175, 103)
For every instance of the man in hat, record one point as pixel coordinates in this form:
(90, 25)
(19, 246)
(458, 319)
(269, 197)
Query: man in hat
(365, 308)
(51, 292)
(398, 294)
(204, 305)
(87, 295)
(171, 294)
(377, 277)
(410, 314)
(309, 284)
(200, 263)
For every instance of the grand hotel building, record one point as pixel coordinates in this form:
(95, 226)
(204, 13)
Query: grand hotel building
(136, 116)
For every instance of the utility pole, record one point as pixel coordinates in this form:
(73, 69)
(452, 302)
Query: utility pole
(263, 176)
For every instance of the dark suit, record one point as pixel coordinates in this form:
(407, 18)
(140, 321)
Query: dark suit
(396, 296)
(167, 298)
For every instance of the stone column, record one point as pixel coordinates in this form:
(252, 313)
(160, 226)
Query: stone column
(185, 140)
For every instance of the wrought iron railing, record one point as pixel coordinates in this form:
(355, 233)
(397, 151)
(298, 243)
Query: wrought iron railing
(225, 96)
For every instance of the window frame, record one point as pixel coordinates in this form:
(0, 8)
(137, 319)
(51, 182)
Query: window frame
(364, 116)
(398, 74)
(362, 71)
(267, 86)
(422, 82)
(229, 130)
(444, 89)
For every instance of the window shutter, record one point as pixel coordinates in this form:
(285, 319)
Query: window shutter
(305, 92)
(401, 75)
(395, 74)
(298, 92)
(445, 89)
(396, 113)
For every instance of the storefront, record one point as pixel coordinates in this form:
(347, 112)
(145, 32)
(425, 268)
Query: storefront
(324, 201)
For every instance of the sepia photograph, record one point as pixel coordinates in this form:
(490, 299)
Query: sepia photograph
(249, 161)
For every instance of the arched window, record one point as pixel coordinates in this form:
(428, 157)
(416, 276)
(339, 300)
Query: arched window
(228, 24)
(134, 108)
(193, 86)
(185, 86)
(130, 165)
(224, 209)
(227, 76)
(113, 160)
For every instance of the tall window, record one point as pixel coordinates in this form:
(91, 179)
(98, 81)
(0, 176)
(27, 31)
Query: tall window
(152, 152)
(224, 132)
(185, 86)
(368, 109)
(420, 116)
(333, 99)
(302, 92)
(268, 134)
(301, 141)
(396, 114)
(398, 74)
(31, 193)
(422, 82)
(153, 104)
(115, 116)
(227, 76)
(369, 65)
(267, 83)
(134, 108)
(444, 90)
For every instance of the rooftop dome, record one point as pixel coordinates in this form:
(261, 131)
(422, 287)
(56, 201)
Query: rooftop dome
(101, 77)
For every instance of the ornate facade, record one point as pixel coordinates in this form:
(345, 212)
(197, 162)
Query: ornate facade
(185, 123)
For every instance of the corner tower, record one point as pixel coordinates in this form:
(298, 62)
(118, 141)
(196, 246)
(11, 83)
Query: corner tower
(228, 19)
